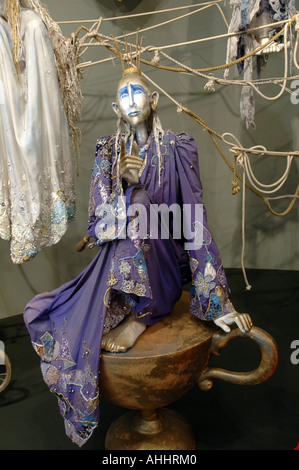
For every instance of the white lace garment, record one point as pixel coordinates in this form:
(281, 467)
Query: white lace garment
(36, 168)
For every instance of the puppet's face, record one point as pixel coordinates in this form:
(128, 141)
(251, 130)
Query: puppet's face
(134, 100)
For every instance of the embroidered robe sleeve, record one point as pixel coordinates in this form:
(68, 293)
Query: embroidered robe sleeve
(108, 204)
(107, 210)
(209, 296)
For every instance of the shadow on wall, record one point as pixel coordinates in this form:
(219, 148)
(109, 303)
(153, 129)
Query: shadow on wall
(121, 7)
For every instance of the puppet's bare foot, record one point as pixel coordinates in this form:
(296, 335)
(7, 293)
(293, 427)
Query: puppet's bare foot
(123, 336)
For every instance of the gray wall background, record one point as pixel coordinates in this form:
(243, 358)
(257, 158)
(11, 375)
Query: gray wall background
(271, 242)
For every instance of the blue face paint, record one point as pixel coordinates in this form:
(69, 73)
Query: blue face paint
(123, 93)
(138, 89)
(135, 89)
(134, 103)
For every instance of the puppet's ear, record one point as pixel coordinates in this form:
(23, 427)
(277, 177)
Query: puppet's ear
(115, 108)
(154, 100)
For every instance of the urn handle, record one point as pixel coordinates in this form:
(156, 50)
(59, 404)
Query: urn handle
(267, 366)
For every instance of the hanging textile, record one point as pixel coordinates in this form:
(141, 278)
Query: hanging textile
(37, 198)
(253, 14)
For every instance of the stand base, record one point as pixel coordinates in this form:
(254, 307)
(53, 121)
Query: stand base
(160, 429)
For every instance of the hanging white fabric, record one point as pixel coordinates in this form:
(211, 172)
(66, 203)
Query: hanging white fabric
(36, 170)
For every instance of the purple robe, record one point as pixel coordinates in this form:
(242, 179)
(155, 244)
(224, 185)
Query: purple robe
(129, 272)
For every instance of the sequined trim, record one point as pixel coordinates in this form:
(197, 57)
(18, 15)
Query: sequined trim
(64, 378)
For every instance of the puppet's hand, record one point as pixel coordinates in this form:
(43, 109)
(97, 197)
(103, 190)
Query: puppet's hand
(242, 320)
(130, 165)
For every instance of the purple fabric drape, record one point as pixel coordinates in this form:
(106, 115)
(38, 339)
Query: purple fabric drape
(145, 274)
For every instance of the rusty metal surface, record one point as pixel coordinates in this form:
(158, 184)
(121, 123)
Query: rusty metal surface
(164, 363)
(266, 367)
(171, 356)
(166, 431)
(167, 360)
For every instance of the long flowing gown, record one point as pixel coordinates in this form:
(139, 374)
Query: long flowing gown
(129, 271)
(37, 198)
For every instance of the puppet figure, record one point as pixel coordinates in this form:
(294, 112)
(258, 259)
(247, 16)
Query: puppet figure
(137, 274)
(37, 197)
